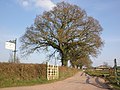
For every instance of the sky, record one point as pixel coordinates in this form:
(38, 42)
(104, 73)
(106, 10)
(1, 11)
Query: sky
(16, 15)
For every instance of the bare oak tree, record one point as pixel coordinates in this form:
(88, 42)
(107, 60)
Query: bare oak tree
(67, 29)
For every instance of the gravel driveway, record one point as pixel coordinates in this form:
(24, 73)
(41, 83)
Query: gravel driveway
(78, 82)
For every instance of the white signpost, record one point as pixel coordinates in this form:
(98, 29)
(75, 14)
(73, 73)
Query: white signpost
(11, 45)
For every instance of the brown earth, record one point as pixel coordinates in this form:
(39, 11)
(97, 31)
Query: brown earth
(78, 82)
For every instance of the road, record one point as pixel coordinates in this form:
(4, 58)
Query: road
(80, 81)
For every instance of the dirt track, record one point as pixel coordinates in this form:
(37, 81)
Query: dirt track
(78, 82)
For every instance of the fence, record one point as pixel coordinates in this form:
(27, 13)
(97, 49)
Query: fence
(52, 72)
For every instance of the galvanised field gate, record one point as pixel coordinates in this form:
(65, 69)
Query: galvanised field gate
(52, 72)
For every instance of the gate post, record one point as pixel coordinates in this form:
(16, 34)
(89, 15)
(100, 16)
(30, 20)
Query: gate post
(115, 69)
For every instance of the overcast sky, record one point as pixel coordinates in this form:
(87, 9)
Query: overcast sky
(16, 15)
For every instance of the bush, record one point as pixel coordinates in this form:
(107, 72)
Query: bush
(66, 72)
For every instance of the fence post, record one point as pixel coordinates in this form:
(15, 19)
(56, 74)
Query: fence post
(57, 72)
(115, 69)
(47, 70)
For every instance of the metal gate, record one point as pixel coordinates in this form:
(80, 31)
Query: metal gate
(52, 72)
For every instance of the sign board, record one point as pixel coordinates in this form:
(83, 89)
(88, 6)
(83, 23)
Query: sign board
(10, 45)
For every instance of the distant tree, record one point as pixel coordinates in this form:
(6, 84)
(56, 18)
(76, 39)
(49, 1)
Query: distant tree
(67, 29)
(105, 64)
(82, 61)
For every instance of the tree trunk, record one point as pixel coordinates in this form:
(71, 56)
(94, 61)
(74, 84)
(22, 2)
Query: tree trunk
(63, 59)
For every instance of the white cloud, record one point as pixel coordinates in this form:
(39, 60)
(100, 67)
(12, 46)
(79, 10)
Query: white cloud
(46, 4)
(25, 3)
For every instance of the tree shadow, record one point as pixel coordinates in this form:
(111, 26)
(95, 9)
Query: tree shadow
(102, 85)
(98, 83)
(88, 80)
(82, 74)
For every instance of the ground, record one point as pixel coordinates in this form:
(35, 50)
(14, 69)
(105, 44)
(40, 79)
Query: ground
(80, 81)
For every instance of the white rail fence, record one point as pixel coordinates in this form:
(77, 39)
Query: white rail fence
(52, 72)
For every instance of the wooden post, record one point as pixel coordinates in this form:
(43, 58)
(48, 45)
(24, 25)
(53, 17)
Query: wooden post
(15, 41)
(115, 69)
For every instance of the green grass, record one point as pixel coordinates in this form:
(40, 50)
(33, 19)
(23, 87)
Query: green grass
(113, 82)
(115, 87)
(111, 79)
(97, 73)
(11, 83)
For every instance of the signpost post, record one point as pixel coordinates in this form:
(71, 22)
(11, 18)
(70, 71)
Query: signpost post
(15, 50)
(11, 45)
